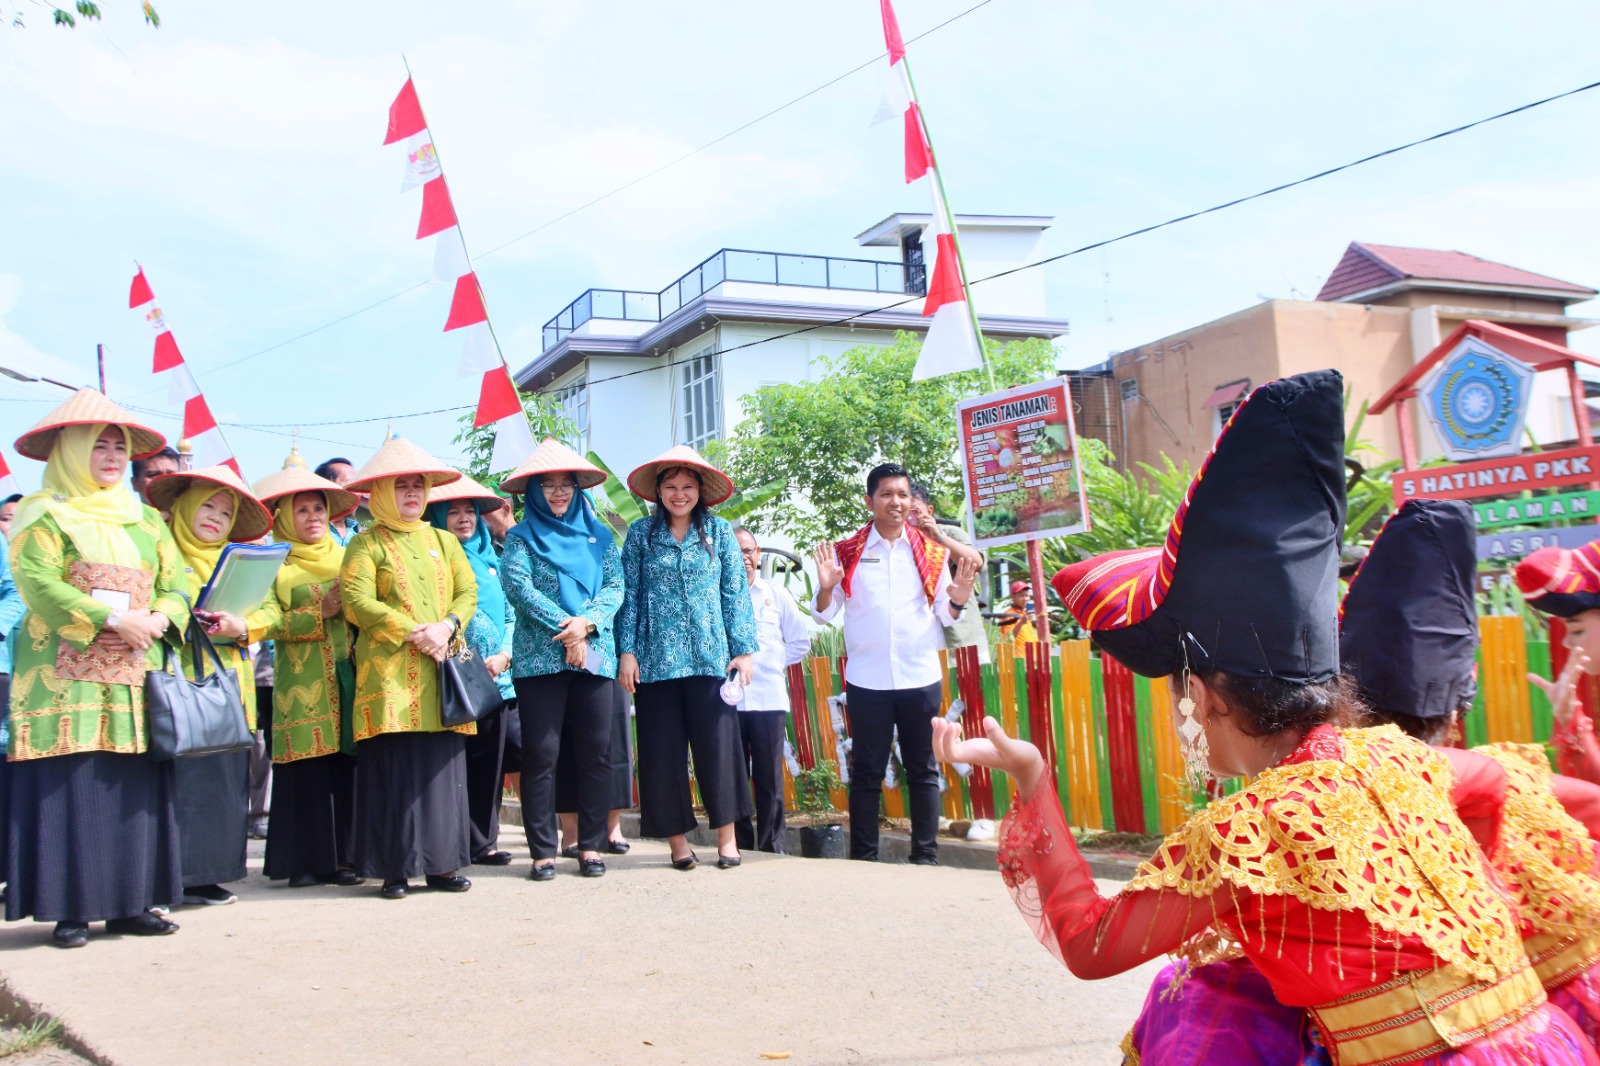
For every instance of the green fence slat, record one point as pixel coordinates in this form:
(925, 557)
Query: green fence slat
(1147, 754)
(1102, 751)
(1538, 702)
(1475, 726)
(1058, 720)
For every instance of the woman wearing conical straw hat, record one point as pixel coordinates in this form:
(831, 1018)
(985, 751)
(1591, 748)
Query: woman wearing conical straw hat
(460, 508)
(209, 508)
(311, 838)
(686, 626)
(92, 835)
(408, 590)
(563, 574)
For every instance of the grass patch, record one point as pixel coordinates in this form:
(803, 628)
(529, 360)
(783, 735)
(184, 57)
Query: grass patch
(30, 1037)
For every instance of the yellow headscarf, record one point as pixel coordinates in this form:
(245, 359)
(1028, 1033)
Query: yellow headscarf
(94, 517)
(307, 563)
(387, 512)
(198, 556)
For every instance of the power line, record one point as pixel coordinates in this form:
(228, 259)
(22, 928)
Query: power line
(1141, 231)
(613, 192)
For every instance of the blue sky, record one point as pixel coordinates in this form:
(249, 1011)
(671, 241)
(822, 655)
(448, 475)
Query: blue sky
(237, 153)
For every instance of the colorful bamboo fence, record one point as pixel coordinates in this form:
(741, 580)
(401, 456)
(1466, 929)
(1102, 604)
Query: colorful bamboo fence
(1109, 735)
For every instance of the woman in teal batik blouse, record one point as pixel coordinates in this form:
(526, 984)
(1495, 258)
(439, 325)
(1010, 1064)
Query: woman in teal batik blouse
(685, 627)
(562, 573)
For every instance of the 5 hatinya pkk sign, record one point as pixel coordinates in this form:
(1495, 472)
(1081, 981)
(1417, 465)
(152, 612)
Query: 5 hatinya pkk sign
(1499, 477)
(1019, 462)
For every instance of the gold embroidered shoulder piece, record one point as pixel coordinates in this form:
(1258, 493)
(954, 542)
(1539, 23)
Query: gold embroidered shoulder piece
(1545, 855)
(1372, 830)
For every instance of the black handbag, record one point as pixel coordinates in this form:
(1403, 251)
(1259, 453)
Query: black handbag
(466, 691)
(200, 717)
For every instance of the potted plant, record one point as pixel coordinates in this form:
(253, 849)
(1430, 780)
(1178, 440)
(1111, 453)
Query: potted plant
(821, 837)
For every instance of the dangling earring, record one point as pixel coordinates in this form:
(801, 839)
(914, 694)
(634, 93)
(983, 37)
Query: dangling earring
(1192, 735)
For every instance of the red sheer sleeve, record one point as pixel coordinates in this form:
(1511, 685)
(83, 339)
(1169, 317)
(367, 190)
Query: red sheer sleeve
(1577, 752)
(1479, 793)
(1580, 799)
(1053, 887)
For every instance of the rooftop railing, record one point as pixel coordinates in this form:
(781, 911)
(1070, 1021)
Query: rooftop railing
(729, 264)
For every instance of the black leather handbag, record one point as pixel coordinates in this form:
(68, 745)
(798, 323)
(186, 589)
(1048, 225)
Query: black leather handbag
(200, 717)
(466, 691)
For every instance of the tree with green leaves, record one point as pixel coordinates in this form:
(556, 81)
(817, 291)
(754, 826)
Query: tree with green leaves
(15, 14)
(821, 437)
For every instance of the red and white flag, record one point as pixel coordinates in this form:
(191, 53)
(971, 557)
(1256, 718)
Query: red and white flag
(8, 480)
(498, 402)
(209, 448)
(952, 344)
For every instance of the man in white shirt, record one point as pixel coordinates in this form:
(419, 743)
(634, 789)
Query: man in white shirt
(892, 578)
(781, 640)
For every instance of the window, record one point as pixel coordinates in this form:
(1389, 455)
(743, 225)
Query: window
(1130, 389)
(574, 403)
(1224, 411)
(698, 382)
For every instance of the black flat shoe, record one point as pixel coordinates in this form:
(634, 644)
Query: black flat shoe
(493, 858)
(686, 863)
(728, 862)
(543, 872)
(570, 852)
(142, 924)
(617, 847)
(592, 867)
(304, 881)
(70, 935)
(344, 879)
(394, 890)
(448, 882)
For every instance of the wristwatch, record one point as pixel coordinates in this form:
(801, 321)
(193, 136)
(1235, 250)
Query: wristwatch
(114, 619)
(455, 623)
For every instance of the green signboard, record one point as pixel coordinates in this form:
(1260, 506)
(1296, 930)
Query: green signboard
(1537, 510)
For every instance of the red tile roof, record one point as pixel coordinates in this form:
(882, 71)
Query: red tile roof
(1371, 266)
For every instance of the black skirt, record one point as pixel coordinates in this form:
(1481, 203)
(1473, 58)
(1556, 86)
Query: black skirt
(411, 805)
(92, 836)
(621, 794)
(313, 824)
(212, 796)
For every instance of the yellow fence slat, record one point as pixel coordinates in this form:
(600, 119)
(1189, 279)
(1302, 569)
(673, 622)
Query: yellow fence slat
(1173, 795)
(1078, 744)
(1503, 678)
(1005, 662)
(822, 688)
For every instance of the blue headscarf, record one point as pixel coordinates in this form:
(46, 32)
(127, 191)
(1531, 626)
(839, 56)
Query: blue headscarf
(574, 544)
(485, 562)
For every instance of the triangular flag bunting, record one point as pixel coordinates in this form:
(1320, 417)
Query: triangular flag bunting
(197, 417)
(167, 354)
(478, 355)
(438, 213)
(513, 442)
(422, 162)
(919, 157)
(497, 398)
(896, 96)
(405, 115)
(139, 293)
(181, 387)
(450, 256)
(891, 32)
(8, 480)
(944, 287)
(466, 307)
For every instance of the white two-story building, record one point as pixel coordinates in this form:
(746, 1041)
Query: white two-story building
(642, 370)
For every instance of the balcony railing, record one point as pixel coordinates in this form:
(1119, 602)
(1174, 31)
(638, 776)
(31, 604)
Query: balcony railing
(730, 264)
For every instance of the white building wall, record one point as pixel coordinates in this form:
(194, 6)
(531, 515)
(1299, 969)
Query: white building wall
(989, 251)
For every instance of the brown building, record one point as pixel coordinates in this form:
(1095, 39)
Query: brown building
(1382, 310)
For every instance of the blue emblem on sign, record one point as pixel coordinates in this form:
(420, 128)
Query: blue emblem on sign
(1477, 401)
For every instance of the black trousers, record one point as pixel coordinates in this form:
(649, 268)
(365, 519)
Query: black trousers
(486, 778)
(673, 717)
(875, 715)
(580, 702)
(763, 735)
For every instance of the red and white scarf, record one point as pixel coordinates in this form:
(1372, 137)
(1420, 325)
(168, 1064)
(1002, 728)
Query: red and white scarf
(930, 557)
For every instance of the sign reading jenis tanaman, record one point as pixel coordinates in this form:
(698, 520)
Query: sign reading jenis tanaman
(1496, 477)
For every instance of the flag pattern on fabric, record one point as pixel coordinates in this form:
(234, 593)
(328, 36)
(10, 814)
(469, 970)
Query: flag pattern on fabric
(498, 402)
(952, 343)
(209, 447)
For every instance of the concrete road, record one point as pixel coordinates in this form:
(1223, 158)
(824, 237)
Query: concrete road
(831, 961)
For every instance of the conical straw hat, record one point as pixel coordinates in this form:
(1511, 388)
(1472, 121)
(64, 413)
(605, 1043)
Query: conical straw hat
(467, 489)
(86, 407)
(296, 479)
(553, 457)
(250, 521)
(715, 485)
(399, 456)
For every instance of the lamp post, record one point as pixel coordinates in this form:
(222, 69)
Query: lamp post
(20, 375)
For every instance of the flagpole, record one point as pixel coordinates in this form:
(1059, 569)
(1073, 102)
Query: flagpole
(462, 233)
(955, 236)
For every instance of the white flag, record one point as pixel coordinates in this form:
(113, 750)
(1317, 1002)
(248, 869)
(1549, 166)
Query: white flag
(422, 163)
(513, 442)
(181, 388)
(479, 355)
(450, 257)
(896, 96)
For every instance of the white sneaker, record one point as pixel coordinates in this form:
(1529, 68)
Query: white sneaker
(981, 829)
